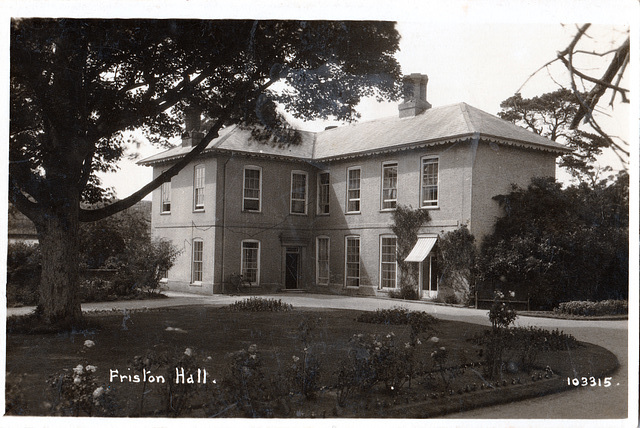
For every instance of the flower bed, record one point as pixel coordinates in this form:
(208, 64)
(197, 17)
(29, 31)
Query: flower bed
(309, 363)
(588, 308)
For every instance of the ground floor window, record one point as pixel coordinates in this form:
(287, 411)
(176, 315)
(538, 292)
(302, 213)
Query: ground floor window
(251, 262)
(388, 264)
(322, 260)
(352, 261)
(196, 270)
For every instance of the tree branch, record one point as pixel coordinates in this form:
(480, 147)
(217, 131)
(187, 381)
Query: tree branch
(26, 207)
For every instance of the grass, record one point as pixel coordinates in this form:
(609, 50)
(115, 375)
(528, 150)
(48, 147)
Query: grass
(215, 333)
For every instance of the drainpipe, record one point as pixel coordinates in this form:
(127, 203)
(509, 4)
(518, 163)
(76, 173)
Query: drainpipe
(224, 217)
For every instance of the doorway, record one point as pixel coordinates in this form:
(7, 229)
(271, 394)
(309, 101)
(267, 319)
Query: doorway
(292, 268)
(429, 277)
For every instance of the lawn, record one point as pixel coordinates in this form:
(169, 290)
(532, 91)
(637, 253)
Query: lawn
(212, 339)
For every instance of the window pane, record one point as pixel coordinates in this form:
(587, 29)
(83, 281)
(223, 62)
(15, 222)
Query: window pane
(353, 190)
(323, 193)
(429, 182)
(353, 262)
(388, 264)
(389, 186)
(166, 196)
(251, 192)
(299, 193)
(250, 261)
(197, 261)
(323, 260)
(198, 185)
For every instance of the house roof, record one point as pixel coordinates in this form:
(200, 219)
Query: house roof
(439, 125)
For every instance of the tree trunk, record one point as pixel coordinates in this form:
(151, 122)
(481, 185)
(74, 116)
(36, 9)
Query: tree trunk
(59, 282)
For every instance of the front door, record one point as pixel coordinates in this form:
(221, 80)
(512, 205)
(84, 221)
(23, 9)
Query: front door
(292, 268)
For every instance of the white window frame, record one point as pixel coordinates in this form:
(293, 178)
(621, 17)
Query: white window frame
(321, 204)
(432, 203)
(382, 237)
(244, 188)
(306, 193)
(386, 165)
(255, 283)
(165, 197)
(359, 189)
(197, 274)
(346, 261)
(323, 281)
(198, 187)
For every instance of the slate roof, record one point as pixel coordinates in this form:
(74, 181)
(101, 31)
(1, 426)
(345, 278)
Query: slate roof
(438, 125)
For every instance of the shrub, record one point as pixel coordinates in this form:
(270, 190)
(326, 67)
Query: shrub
(456, 262)
(78, 392)
(260, 304)
(407, 291)
(588, 308)
(142, 266)
(95, 290)
(245, 382)
(406, 225)
(23, 274)
(420, 322)
(177, 396)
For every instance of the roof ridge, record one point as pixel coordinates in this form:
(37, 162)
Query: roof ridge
(467, 118)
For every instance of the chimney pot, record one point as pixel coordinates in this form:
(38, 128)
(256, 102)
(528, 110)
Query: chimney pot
(415, 95)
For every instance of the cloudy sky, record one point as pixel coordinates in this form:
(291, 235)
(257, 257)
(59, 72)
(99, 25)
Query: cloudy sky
(478, 52)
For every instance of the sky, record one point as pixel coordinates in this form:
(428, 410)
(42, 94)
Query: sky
(479, 52)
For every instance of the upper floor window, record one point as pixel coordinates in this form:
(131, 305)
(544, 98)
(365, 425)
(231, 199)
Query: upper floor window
(197, 261)
(198, 187)
(388, 262)
(353, 190)
(389, 186)
(298, 192)
(322, 260)
(323, 193)
(166, 197)
(352, 261)
(250, 262)
(429, 186)
(252, 189)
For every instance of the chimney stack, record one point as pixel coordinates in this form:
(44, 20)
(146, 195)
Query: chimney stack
(192, 135)
(415, 95)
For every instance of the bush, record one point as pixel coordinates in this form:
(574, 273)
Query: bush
(588, 308)
(142, 265)
(406, 291)
(23, 274)
(456, 262)
(260, 304)
(245, 382)
(420, 322)
(96, 290)
(521, 346)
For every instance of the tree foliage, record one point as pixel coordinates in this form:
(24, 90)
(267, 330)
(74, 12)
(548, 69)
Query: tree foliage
(78, 85)
(456, 262)
(406, 225)
(558, 244)
(551, 115)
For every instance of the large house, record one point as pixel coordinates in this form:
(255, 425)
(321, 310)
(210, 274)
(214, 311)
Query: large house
(317, 215)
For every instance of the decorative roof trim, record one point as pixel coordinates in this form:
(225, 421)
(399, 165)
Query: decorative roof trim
(449, 140)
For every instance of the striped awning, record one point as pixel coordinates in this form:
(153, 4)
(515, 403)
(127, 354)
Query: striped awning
(421, 250)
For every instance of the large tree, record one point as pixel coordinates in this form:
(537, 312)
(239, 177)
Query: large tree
(77, 87)
(551, 116)
(557, 244)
